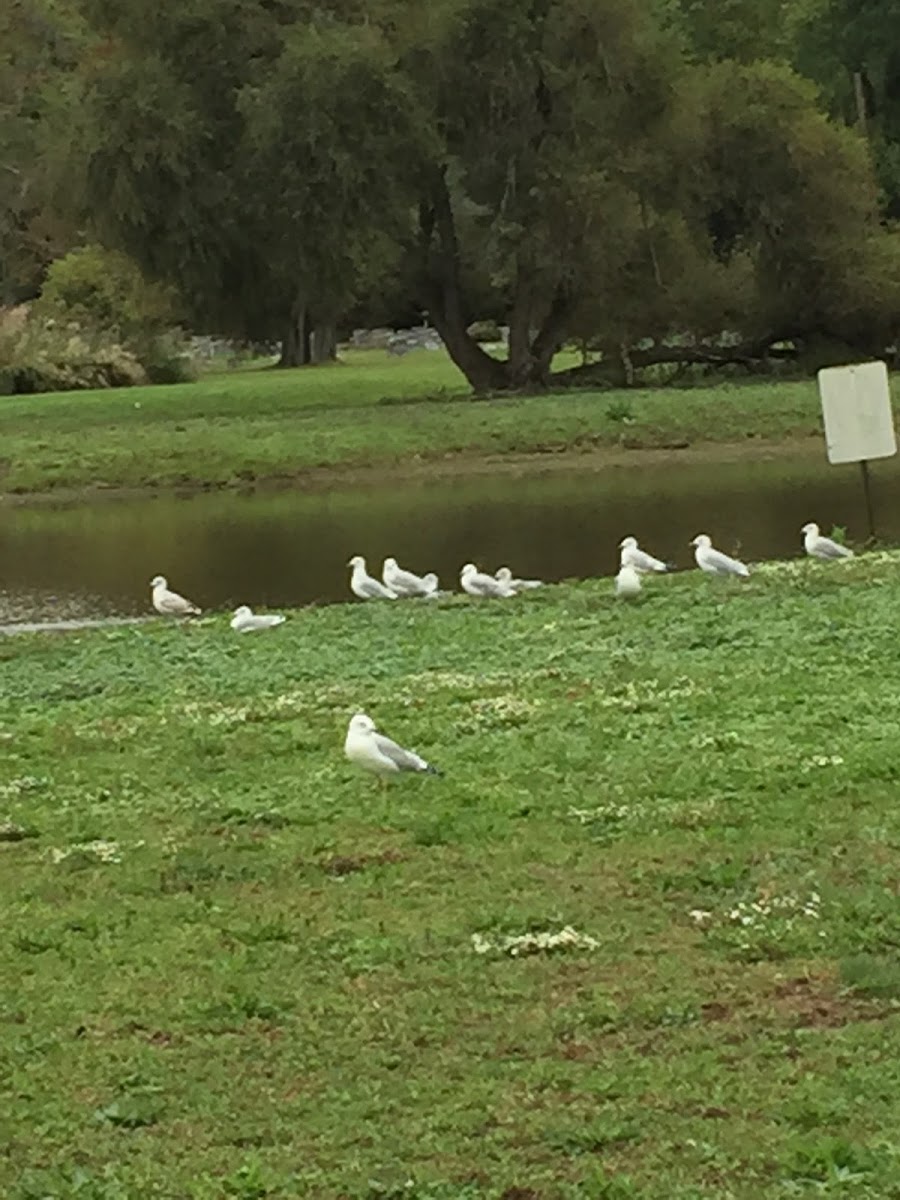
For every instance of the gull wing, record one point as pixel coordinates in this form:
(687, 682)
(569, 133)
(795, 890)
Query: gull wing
(829, 549)
(403, 760)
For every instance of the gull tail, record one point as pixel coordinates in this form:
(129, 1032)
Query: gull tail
(428, 769)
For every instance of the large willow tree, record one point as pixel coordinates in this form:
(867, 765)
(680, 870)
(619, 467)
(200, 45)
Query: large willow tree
(568, 167)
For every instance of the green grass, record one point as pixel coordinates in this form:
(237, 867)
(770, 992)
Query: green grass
(272, 991)
(371, 410)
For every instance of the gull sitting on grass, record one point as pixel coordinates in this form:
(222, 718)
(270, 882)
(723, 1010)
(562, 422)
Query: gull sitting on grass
(406, 583)
(371, 750)
(713, 561)
(245, 620)
(170, 604)
(476, 583)
(817, 546)
(628, 582)
(505, 576)
(633, 556)
(363, 585)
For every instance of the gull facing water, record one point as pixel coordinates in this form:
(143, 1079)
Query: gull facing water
(633, 556)
(373, 751)
(247, 621)
(476, 583)
(714, 561)
(407, 583)
(169, 603)
(505, 576)
(363, 585)
(817, 546)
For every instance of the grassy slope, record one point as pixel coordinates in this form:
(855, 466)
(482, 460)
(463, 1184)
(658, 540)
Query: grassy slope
(274, 993)
(261, 424)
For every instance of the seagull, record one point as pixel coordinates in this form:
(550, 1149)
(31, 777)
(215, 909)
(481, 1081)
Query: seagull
(475, 583)
(714, 561)
(628, 582)
(405, 583)
(170, 604)
(633, 556)
(372, 751)
(363, 585)
(246, 621)
(817, 546)
(504, 575)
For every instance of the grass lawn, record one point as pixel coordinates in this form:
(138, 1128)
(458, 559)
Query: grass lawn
(234, 967)
(370, 410)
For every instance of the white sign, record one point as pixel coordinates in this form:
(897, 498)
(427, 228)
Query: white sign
(856, 407)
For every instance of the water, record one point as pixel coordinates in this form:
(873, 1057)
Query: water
(288, 548)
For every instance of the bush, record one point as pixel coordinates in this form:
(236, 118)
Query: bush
(98, 323)
(104, 290)
(168, 359)
(46, 358)
(485, 331)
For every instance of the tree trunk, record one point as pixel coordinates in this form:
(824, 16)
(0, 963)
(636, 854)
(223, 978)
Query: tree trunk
(295, 342)
(441, 285)
(323, 343)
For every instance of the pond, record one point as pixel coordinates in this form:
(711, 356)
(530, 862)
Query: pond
(289, 548)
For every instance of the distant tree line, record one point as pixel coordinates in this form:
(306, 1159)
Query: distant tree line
(642, 177)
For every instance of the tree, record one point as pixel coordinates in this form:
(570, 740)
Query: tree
(589, 168)
(39, 45)
(238, 150)
(621, 193)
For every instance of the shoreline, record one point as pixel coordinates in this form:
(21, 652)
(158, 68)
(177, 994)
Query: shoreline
(449, 466)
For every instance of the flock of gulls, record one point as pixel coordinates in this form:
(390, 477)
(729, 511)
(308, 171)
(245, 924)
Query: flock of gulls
(373, 751)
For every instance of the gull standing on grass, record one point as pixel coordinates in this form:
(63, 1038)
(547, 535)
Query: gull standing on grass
(475, 583)
(505, 576)
(633, 556)
(170, 604)
(363, 585)
(714, 561)
(628, 582)
(817, 546)
(371, 750)
(407, 583)
(245, 620)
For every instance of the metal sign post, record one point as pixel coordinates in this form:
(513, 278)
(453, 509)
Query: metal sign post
(859, 422)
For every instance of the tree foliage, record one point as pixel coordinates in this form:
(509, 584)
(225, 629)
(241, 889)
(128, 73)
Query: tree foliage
(642, 177)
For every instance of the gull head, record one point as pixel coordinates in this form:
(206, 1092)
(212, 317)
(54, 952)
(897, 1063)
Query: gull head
(810, 527)
(243, 611)
(468, 569)
(362, 724)
(504, 575)
(158, 581)
(357, 561)
(702, 540)
(629, 543)
(390, 564)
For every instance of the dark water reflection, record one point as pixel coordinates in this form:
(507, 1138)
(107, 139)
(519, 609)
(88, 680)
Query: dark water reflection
(290, 548)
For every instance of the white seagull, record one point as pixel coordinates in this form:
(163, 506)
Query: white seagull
(371, 750)
(475, 583)
(628, 582)
(714, 561)
(247, 621)
(633, 556)
(363, 585)
(170, 604)
(817, 546)
(406, 583)
(504, 575)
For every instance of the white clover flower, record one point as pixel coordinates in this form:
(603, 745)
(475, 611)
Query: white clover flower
(102, 851)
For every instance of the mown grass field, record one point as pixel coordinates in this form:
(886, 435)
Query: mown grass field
(369, 410)
(272, 990)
